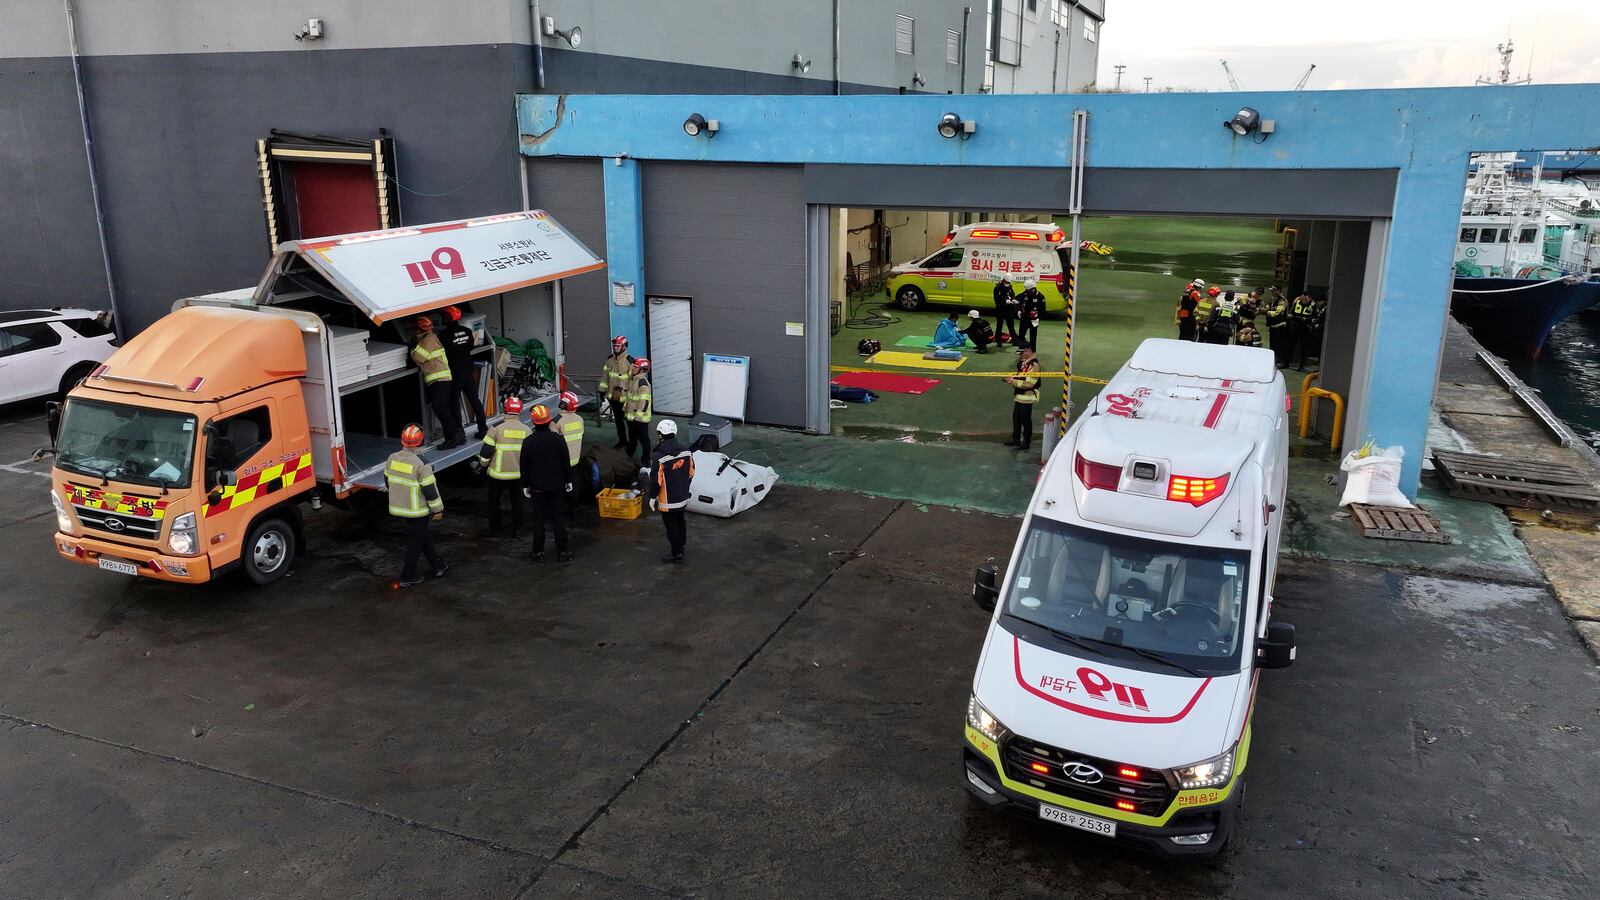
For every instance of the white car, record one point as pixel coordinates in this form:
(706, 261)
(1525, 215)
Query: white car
(44, 352)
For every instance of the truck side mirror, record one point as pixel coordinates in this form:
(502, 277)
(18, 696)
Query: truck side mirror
(228, 478)
(984, 592)
(1276, 651)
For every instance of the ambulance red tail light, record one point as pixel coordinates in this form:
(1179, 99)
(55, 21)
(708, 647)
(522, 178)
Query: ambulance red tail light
(1061, 280)
(948, 238)
(1096, 475)
(1057, 236)
(985, 233)
(1023, 235)
(1196, 491)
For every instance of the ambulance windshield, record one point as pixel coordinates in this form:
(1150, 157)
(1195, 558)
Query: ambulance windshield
(1138, 601)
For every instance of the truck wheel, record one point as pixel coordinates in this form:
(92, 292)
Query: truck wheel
(910, 298)
(268, 551)
(74, 375)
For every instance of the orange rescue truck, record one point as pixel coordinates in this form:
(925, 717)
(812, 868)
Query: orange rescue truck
(190, 451)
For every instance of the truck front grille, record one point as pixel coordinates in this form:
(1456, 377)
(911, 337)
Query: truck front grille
(1147, 792)
(100, 520)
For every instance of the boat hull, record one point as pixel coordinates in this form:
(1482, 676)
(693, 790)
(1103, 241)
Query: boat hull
(1518, 321)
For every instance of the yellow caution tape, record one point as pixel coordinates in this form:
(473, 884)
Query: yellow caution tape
(937, 373)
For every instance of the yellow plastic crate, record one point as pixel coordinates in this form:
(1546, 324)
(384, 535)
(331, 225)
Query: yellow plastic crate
(613, 505)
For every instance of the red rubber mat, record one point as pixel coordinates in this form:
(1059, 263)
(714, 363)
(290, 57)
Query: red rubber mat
(885, 381)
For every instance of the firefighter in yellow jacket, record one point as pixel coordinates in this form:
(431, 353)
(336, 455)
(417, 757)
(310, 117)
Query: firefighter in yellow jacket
(570, 427)
(430, 357)
(614, 378)
(1024, 395)
(501, 454)
(636, 403)
(414, 497)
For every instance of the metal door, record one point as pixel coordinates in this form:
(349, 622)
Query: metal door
(672, 355)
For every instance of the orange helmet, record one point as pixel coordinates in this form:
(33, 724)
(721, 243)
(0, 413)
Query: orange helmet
(641, 365)
(424, 323)
(513, 405)
(541, 415)
(412, 436)
(454, 312)
(569, 400)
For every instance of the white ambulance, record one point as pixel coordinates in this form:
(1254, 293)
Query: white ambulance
(1116, 684)
(963, 272)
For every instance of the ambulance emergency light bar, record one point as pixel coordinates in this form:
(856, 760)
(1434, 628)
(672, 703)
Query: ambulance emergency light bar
(1054, 237)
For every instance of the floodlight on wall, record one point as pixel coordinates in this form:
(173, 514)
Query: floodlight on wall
(573, 36)
(696, 125)
(800, 64)
(951, 125)
(1244, 121)
(917, 80)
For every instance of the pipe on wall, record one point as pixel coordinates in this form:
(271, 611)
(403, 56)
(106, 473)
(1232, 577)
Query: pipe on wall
(836, 15)
(94, 179)
(537, 30)
(966, 13)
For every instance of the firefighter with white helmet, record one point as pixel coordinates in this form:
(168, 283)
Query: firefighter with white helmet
(639, 410)
(671, 471)
(614, 378)
(414, 497)
(570, 426)
(501, 455)
(1032, 311)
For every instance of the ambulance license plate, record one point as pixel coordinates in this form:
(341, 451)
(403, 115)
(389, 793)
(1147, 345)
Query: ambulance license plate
(1071, 819)
(118, 566)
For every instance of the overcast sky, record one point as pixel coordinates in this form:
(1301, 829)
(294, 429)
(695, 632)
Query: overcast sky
(1401, 43)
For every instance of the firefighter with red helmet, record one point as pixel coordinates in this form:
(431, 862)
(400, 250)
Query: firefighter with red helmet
(501, 455)
(414, 498)
(614, 379)
(639, 410)
(434, 363)
(570, 426)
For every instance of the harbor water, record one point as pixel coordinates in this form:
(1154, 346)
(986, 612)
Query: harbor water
(1567, 374)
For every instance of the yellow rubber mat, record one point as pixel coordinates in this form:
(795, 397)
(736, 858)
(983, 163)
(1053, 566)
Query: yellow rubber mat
(912, 360)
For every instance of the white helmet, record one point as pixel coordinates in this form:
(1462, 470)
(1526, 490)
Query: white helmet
(666, 427)
(972, 314)
(1030, 281)
(1199, 282)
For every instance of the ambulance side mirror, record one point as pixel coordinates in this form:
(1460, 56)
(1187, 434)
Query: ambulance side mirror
(1277, 650)
(984, 592)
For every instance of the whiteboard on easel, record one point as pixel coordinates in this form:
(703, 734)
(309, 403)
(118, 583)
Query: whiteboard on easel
(724, 382)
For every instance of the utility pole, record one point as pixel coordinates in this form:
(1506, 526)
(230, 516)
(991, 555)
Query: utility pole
(1119, 76)
(1147, 84)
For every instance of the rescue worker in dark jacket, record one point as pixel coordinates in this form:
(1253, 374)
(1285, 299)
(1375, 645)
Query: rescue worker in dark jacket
(1032, 312)
(414, 498)
(1006, 310)
(501, 455)
(434, 363)
(978, 331)
(546, 478)
(1187, 302)
(1278, 325)
(671, 471)
(1302, 315)
(458, 342)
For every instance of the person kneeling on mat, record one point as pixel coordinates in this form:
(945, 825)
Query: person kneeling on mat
(978, 331)
(948, 336)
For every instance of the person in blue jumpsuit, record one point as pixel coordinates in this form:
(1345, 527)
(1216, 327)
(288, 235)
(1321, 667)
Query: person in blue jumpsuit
(948, 336)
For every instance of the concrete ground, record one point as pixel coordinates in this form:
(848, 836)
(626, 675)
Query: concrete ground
(780, 717)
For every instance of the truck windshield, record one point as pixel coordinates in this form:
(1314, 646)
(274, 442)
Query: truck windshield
(1147, 604)
(113, 441)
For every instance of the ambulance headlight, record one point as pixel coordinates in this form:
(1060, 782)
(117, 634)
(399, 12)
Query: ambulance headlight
(1211, 772)
(63, 520)
(985, 722)
(183, 537)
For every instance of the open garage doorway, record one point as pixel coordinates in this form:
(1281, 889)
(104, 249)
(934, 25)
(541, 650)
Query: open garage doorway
(904, 272)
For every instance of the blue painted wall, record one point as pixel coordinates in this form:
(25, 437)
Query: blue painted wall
(1425, 134)
(625, 249)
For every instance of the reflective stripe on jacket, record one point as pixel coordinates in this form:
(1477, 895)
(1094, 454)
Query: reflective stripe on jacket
(570, 426)
(502, 450)
(671, 474)
(430, 357)
(1025, 383)
(413, 493)
(1303, 308)
(616, 374)
(636, 399)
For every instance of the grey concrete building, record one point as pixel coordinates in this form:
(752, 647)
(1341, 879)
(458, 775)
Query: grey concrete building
(222, 126)
(1042, 46)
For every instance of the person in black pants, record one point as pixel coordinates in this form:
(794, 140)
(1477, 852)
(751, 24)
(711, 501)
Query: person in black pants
(1006, 308)
(671, 472)
(546, 479)
(1032, 313)
(458, 341)
(1024, 394)
(978, 332)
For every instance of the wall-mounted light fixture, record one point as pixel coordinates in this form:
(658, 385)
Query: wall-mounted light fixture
(917, 80)
(696, 125)
(1244, 121)
(310, 31)
(951, 125)
(800, 64)
(573, 36)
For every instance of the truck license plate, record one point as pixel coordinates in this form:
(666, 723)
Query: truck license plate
(118, 566)
(1080, 821)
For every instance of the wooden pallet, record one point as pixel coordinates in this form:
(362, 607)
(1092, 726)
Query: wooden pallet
(1515, 482)
(1395, 524)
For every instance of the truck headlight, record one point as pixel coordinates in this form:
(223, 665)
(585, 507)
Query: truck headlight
(985, 722)
(63, 520)
(1206, 773)
(183, 537)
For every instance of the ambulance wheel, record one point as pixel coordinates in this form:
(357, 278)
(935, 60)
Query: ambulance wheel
(910, 298)
(268, 551)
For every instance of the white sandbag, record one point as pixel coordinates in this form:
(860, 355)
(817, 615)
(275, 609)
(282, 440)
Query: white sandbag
(724, 486)
(1375, 479)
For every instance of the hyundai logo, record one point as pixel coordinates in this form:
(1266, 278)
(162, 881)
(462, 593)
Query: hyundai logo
(114, 524)
(1082, 773)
